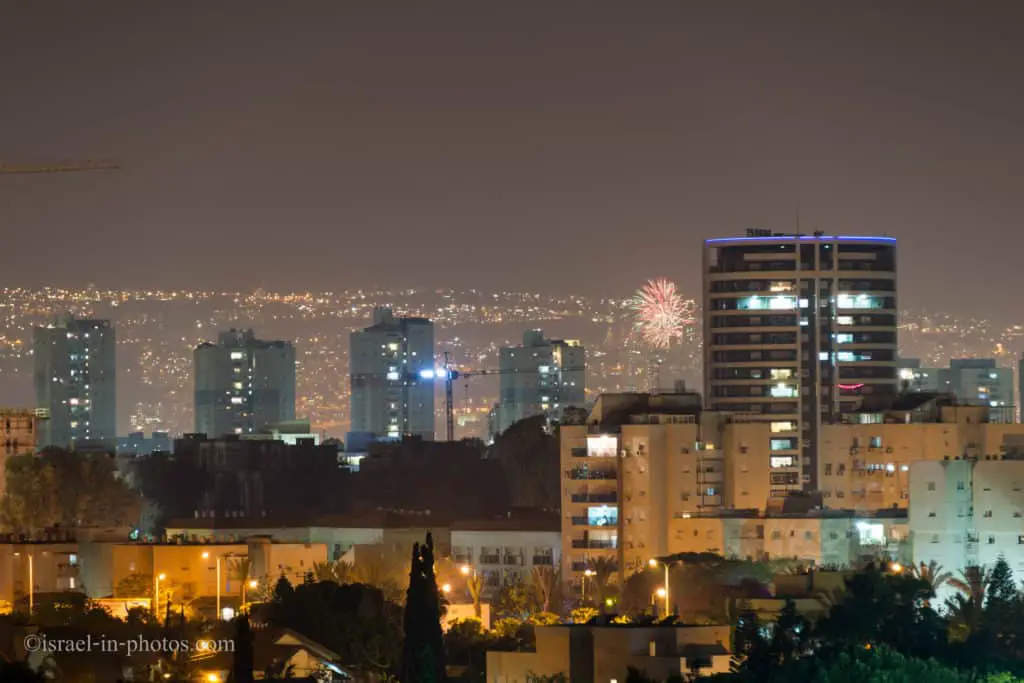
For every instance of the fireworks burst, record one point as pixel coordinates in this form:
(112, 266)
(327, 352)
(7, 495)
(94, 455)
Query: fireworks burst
(661, 313)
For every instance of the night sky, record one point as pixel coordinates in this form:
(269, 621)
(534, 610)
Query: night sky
(554, 146)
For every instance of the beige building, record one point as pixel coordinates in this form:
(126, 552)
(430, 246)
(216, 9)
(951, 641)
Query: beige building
(189, 571)
(832, 538)
(19, 431)
(587, 653)
(967, 512)
(47, 567)
(864, 463)
(643, 460)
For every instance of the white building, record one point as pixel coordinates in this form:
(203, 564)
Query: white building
(392, 377)
(967, 512)
(504, 551)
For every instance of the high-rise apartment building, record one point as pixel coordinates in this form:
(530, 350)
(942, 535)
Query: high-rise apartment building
(798, 328)
(644, 460)
(243, 384)
(541, 377)
(392, 375)
(979, 382)
(973, 381)
(75, 381)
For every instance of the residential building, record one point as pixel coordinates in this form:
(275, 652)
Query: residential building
(586, 652)
(968, 512)
(822, 538)
(138, 444)
(974, 381)
(75, 380)
(50, 567)
(864, 461)
(541, 377)
(393, 377)
(917, 379)
(19, 430)
(979, 382)
(797, 328)
(186, 571)
(243, 384)
(643, 460)
(504, 551)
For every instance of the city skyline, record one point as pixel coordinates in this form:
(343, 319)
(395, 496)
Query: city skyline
(440, 129)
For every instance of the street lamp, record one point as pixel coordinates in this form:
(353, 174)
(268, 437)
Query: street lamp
(157, 578)
(206, 556)
(587, 573)
(446, 588)
(31, 583)
(896, 568)
(653, 564)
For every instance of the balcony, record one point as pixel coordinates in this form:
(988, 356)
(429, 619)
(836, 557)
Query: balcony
(585, 474)
(594, 545)
(513, 560)
(580, 566)
(547, 560)
(610, 497)
(490, 559)
(579, 452)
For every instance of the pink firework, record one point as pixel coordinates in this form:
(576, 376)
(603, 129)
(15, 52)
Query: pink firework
(661, 313)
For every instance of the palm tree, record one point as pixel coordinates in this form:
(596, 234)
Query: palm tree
(973, 583)
(933, 574)
(603, 569)
(239, 569)
(545, 582)
(475, 584)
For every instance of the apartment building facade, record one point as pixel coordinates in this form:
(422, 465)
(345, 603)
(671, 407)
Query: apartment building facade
(968, 512)
(644, 459)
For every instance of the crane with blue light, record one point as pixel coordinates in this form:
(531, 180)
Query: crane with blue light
(450, 375)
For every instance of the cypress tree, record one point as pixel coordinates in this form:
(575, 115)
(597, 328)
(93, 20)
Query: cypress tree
(242, 663)
(423, 649)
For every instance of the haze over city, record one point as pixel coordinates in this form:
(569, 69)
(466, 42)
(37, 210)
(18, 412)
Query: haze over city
(560, 148)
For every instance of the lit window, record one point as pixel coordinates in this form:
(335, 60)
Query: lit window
(823, 355)
(844, 338)
(237, 355)
(857, 301)
(237, 400)
(781, 286)
(784, 426)
(783, 391)
(782, 373)
(543, 369)
(782, 444)
(781, 461)
(772, 303)
(392, 376)
(845, 320)
(392, 346)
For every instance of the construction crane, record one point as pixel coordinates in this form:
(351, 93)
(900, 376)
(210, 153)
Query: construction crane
(59, 167)
(450, 375)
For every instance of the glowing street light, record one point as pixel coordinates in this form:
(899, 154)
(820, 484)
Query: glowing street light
(896, 568)
(446, 588)
(653, 564)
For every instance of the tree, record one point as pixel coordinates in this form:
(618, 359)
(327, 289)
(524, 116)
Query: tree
(354, 620)
(66, 489)
(423, 650)
(603, 568)
(515, 600)
(932, 574)
(135, 585)
(242, 662)
(886, 609)
(973, 583)
(546, 583)
(19, 672)
(529, 460)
